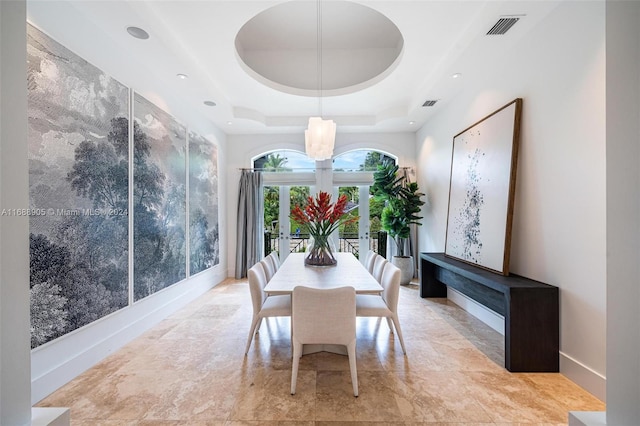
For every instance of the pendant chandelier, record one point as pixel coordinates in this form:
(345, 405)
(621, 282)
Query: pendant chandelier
(320, 136)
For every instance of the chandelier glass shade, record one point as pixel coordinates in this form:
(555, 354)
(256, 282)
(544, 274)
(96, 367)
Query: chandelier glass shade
(319, 138)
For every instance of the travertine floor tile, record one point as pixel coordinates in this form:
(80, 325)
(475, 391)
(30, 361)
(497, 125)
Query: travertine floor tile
(191, 370)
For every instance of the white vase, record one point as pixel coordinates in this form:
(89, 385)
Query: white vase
(405, 264)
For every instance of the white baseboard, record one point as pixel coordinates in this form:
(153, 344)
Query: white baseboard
(590, 380)
(50, 416)
(58, 362)
(487, 316)
(587, 418)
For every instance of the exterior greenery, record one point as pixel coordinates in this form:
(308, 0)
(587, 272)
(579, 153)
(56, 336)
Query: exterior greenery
(298, 195)
(403, 202)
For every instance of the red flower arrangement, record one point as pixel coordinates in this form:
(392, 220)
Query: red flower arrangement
(321, 218)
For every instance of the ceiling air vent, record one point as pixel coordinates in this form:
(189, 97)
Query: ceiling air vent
(502, 26)
(429, 103)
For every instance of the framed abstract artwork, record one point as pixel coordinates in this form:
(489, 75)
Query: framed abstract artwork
(482, 190)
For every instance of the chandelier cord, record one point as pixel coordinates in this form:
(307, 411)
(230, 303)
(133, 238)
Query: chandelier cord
(320, 136)
(319, 54)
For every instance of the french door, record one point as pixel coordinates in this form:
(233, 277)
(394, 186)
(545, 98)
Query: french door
(285, 237)
(354, 238)
(282, 191)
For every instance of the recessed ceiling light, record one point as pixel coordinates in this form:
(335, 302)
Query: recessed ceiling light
(412, 123)
(138, 33)
(456, 75)
(210, 103)
(182, 76)
(229, 123)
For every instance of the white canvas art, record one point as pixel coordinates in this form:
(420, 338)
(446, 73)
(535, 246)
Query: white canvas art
(482, 190)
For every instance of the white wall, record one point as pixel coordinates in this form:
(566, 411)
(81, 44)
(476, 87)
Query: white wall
(15, 407)
(623, 211)
(245, 147)
(559, 219)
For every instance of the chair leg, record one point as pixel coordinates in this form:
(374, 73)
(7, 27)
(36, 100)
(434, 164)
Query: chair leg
(256, 320)
(389, 324)
(396, 323)
(297, 353)
(351, 351)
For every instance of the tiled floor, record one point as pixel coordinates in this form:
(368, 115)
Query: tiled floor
(191, 370)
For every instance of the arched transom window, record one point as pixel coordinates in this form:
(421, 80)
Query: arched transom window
(284, 161)
(361, 160)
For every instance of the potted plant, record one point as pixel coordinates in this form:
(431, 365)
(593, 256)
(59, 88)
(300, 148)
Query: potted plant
(403, 202)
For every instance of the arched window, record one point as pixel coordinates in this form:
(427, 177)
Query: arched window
(361, 160)
(284, 160)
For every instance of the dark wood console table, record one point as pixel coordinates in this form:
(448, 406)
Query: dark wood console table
(530, 308)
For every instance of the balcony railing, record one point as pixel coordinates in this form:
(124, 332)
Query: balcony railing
(347, 242)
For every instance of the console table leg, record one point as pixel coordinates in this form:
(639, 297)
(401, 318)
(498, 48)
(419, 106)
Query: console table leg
(429, 284)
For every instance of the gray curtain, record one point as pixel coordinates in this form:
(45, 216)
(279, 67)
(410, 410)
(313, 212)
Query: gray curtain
(250, 231)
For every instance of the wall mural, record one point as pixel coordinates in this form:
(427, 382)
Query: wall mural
(204, 250)
(78, 188)
(159, 199)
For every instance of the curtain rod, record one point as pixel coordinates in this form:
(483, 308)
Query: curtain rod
(312, 169)
(251, 169)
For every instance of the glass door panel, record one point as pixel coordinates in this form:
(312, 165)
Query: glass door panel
(271, 196)
(281, 234)
(377, 238)
(298, 236)
(353, 237)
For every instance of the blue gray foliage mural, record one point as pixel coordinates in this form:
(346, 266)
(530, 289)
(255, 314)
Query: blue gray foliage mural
(78, 190)
(159, 199)
(204, 250)
(79, 144)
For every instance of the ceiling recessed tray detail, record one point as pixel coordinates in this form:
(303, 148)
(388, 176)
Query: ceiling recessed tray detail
(279, 47)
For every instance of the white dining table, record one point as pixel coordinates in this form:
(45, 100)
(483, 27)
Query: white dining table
(348, 272)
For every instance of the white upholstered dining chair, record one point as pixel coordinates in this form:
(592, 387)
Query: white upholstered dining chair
(273, 256)
(263, 306)
(378, 267)
(370, 260)
(269, 268)
(385, 304)
(326, 316)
